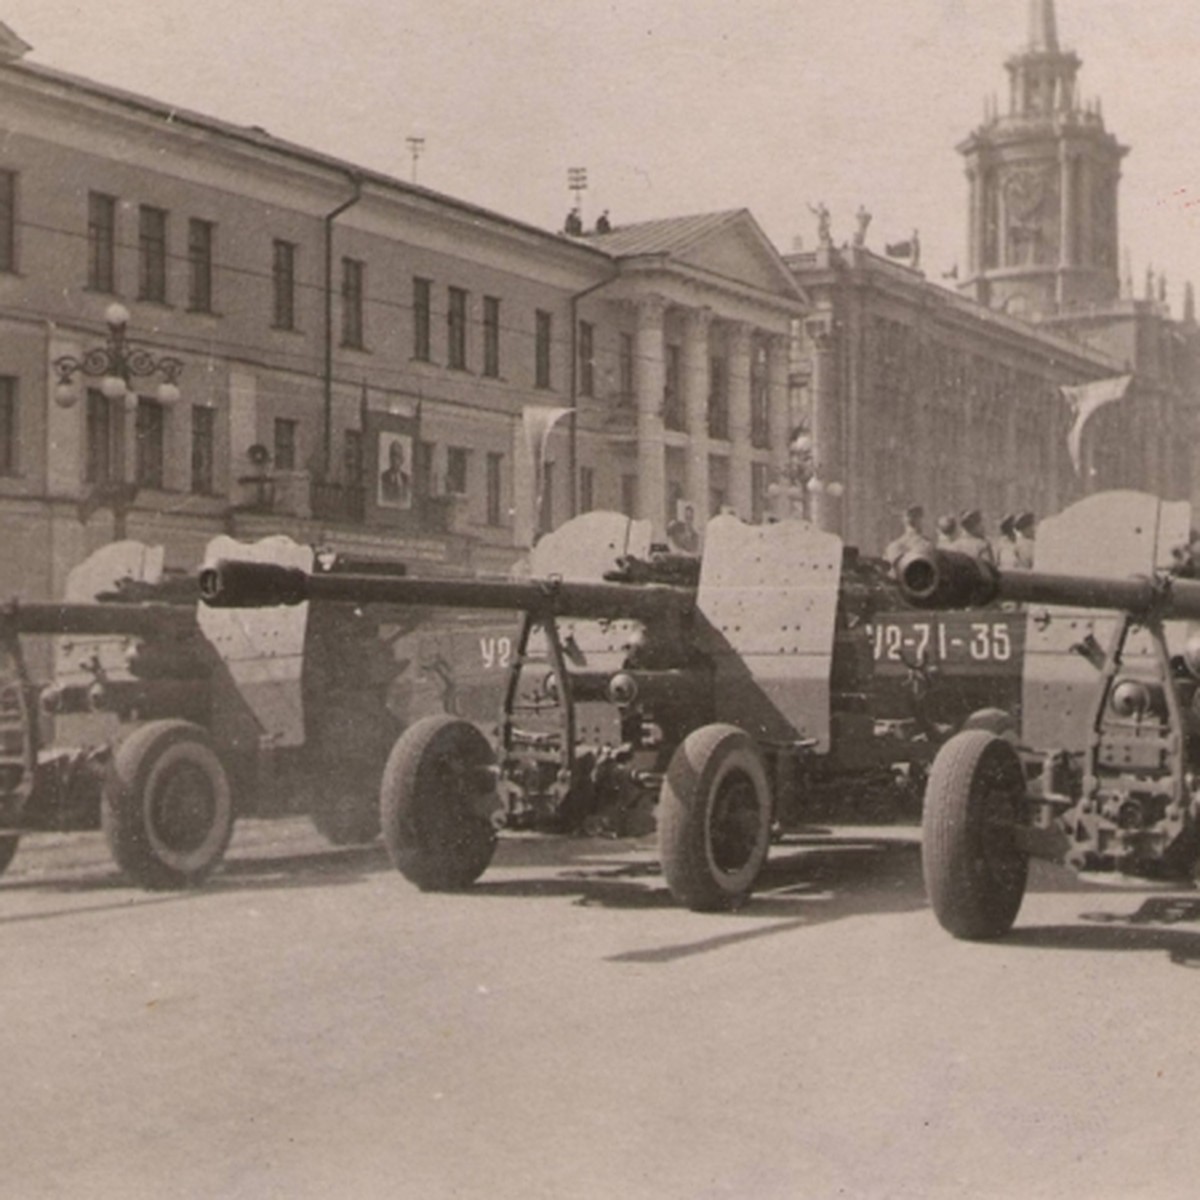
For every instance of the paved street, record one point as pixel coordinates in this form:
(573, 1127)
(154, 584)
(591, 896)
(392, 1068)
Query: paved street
(308, 1025)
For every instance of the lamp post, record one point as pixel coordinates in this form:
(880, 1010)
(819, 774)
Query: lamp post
(118, 365)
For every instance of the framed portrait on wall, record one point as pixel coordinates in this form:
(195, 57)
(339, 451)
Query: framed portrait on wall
(394, 480)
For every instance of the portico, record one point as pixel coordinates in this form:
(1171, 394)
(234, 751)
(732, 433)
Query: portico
(709, 308)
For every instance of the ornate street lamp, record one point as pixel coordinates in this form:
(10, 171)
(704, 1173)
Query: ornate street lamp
(117, 365)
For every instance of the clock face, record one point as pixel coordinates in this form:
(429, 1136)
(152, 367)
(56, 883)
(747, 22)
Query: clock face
(1024, 193)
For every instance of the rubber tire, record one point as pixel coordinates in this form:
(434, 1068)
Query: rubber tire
(142, 766)
(434, 833)
(975, 887)
(348, 820)
(8, 847)
(707, 760)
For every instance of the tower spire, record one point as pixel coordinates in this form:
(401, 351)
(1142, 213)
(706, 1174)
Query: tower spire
(1043, 28)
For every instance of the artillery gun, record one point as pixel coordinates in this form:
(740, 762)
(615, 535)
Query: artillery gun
(171, 720)
(721, 698)
(1105, 773)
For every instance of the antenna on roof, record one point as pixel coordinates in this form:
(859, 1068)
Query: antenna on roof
(416, 147)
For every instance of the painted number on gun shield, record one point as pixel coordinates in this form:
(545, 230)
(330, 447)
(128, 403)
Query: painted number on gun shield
(896, 643)
(990, 643)
(496, 652)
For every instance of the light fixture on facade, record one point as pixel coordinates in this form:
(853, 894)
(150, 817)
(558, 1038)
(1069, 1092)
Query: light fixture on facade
(117, 365)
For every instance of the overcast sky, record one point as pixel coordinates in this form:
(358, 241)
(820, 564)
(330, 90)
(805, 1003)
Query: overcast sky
(673, 106)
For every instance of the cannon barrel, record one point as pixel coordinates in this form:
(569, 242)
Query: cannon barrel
(944, 579)
(134, 620)
(235, 584)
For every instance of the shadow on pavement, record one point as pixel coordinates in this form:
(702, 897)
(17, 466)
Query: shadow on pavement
(1152, 926)
(345, 865)
(808, 882)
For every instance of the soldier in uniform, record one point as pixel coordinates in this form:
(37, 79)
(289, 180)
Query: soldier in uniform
(1005, 548)
(972, 540)
(1023, 528)
(947, 531)
(912, 539)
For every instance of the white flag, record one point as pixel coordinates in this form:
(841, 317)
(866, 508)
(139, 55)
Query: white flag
(538, 420)
(1084, 400)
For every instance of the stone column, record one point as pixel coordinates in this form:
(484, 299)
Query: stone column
(650, 382)
(826, 427)
(779, 416)
(740, 486)
(975, 228)
(695, 372)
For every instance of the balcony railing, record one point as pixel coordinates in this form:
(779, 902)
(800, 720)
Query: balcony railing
(294, 495)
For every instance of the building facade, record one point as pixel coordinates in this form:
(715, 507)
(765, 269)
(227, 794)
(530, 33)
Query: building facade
(363, 363)
(916, 394)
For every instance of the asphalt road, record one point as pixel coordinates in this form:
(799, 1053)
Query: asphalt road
(307, 1025)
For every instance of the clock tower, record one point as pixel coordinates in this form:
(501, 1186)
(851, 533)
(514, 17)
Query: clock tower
(1043, 184)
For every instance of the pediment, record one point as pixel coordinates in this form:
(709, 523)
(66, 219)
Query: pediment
(740, 251)
(11, 46)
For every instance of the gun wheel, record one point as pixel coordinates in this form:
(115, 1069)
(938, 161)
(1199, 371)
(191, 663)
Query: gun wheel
(167, 807)
(433, 804)
(975, 872)
(714, 819)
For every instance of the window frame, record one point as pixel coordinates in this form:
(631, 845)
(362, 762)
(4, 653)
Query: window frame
(102, 243)
(543, 377)
(491, 337)
(8, 221)
(457, 302)
(200, 264)
(422, 307)
(354, 291)
(153, 234)
(283, 283)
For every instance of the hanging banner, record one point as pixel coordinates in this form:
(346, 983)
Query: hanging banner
(1084, 400)
(390, 450)
(538, 421)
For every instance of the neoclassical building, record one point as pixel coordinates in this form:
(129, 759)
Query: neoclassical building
(916, 394)
(346, 357)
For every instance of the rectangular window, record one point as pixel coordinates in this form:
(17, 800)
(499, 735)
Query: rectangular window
(283, 277)
(587, 357)
(587, 489)
(353, 286)
(456, 329)
(495, 509)
(152, 254)
(200, 265)
(149, 427)
(625, 368)
(422, 308)
(491, 337)
(203, 434)
(8, 220)
(8, 425)
(102, 242)
(285, 444)
(673, 416)
(352, 457)
(718, 400)
(456, 470)
(545, 329)
(105, 438)
(422, 468)
(760, 411)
